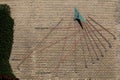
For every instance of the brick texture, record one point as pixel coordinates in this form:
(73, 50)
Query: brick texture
(35, 18)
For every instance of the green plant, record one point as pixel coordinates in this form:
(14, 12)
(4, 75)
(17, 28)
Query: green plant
(6, 41)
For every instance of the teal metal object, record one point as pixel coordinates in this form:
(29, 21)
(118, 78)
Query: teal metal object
(77, 15)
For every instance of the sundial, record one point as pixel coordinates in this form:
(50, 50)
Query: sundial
(85, 40)
(65, 39)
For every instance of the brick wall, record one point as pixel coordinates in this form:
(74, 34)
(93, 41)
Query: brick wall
(35, 18)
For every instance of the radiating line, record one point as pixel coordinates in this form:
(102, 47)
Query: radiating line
(48, 34)
(103, 27)
(88, 47)
(94, 41)
(86, 44)
(85, 60)
(74, 53)
(100, 34)
(80, 39)
(79, 18)
(90, 41)
(96, 36)
(62, 59)
(44, 49)
(63, 48)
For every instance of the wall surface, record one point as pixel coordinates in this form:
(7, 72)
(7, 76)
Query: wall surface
(33, 21)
